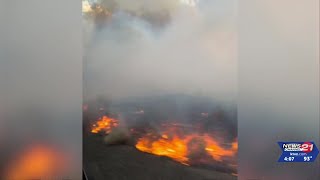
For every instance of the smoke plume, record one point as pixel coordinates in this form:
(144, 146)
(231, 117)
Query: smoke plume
(192, 51)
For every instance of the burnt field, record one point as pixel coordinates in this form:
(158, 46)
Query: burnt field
(163, 140)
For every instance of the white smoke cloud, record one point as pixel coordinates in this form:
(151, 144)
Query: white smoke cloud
(195, 53)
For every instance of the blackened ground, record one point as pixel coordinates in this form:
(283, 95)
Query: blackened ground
(124, 162)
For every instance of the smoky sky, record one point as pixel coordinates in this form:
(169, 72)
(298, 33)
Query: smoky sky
(193, 52)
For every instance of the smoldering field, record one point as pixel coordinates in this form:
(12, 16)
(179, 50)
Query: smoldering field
(174, 61)
(156, 136)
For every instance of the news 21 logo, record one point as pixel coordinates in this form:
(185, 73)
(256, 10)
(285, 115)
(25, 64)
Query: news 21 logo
(298, 152)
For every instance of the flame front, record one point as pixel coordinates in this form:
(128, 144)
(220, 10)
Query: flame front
(174, 143)
(175, 148)
(216, 151)
(104, 124)
(178, 148)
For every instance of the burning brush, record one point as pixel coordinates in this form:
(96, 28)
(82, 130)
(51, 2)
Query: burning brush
(185, 147)
(104, 125)
(182, 147)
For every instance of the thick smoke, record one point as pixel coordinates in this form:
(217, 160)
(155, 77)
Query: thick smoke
(193, 52)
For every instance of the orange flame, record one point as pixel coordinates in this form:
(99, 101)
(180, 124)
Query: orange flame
(104, 124)
(175, 148)
(216, 151)
(174, 143)
(178, 148)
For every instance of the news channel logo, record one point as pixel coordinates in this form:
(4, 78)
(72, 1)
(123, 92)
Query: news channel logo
(298, 151)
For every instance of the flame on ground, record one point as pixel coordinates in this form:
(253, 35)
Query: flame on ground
(179, 148)
(216, 151)
(173, 142)
(104, 124)
(175, 147)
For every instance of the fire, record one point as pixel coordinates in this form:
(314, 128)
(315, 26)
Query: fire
(216, 151)
(179, 147)
(104, 124)
(37, 162)
(174, 142)
(175, 147)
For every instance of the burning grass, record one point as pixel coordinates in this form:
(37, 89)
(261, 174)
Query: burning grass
(181, 148)
(104, 125)
(172, 141)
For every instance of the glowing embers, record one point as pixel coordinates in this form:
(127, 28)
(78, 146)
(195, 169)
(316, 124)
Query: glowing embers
(104, 125)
